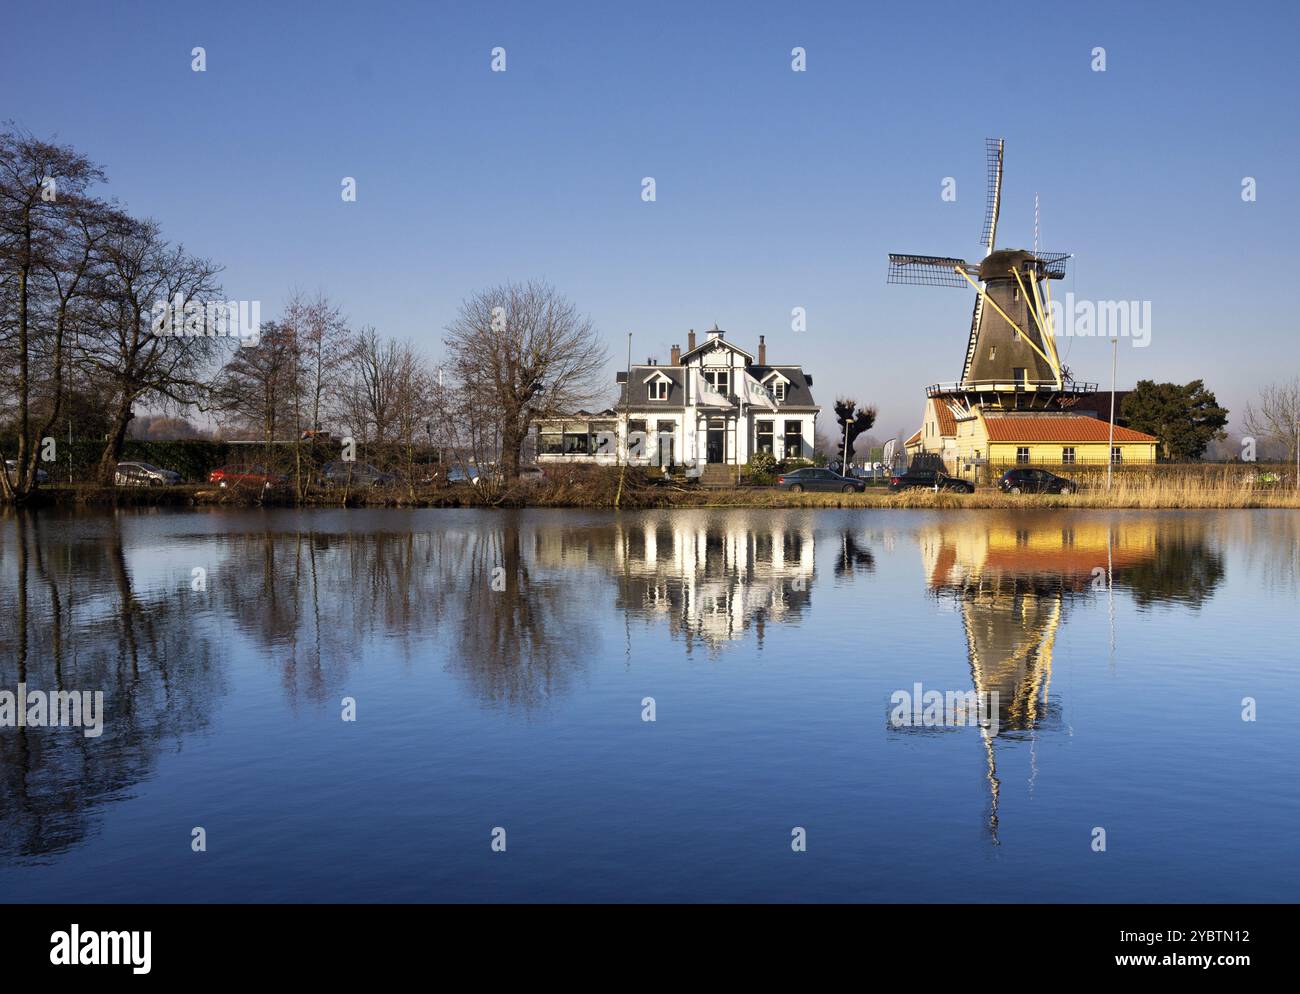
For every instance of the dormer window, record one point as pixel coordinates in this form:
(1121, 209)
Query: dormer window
(777, 385)
(657, 386)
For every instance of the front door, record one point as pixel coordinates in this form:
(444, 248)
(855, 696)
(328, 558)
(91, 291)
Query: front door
(717, 446)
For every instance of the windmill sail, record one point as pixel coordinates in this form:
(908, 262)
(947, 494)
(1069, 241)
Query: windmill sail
(993, 207)
(1010, 349)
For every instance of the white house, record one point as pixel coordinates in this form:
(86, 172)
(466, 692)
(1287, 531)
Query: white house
(714, 404)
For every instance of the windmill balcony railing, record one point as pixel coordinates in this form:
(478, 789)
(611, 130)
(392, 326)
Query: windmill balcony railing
(1009, 386)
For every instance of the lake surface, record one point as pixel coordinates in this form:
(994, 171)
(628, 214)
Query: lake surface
(500, 662)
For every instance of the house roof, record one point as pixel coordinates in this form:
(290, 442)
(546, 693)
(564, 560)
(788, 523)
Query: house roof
(798, 390)
(1062, 428)
(947, 423)
(915, 438)
(643, 376)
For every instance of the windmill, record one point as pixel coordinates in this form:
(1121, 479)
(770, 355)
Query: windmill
(1011, 352)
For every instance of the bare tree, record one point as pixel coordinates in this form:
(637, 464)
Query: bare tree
(51, 231)
(372, 388)
(415, 388)
(524, 351)
(1277, 417)
(325, 345)
(256, 390)
(123, 353)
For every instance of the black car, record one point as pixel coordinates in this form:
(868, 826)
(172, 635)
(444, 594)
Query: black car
(356, 474)
(929, 479)
(1035, 481)
(811, 478)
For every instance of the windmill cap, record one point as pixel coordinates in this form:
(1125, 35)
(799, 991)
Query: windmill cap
(998, 264)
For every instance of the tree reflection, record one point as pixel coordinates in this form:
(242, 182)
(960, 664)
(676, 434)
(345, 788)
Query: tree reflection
(75, 623)
(1184, 570)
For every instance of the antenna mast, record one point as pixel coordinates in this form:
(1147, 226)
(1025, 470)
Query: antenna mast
(1035, 222)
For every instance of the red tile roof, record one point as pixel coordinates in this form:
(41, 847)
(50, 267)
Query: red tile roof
(914, 438)
(1066, 428)
(947, 423)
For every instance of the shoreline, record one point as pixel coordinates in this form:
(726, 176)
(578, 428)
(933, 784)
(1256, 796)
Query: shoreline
(642, 497)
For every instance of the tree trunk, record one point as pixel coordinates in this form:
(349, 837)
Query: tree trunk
(112, 453)
(512, 443)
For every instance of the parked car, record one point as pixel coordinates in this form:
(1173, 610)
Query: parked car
(11, 470)
(810, 478)
(143, 474)
(531, 474)
(355, 474)
(462, 474)
(1035, 481)
(242, 475)
(929, 479)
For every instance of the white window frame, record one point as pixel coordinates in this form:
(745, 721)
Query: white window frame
(719, 379)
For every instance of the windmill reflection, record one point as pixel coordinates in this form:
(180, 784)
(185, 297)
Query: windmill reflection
(1015, 578)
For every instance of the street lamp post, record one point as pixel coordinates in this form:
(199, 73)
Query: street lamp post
(1110, 444)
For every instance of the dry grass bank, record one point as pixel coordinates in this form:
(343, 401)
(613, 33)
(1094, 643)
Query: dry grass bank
(1159, 496)
(1202, 487)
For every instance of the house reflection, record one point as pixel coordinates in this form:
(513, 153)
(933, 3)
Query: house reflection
(1015, 577)
(709, 578)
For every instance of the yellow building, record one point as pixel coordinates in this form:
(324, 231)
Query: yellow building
(964, 439)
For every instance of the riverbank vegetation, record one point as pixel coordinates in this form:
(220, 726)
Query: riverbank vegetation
(1222, 486)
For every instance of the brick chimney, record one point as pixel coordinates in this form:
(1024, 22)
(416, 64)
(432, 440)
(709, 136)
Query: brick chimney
(762, 351)
(676, 356)
(690, 340)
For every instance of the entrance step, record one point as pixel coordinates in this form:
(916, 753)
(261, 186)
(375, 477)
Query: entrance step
(718, 475)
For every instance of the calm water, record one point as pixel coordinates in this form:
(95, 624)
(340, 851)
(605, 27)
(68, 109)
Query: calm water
(1121, 646)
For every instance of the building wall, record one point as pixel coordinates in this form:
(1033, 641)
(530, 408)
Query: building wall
(689, 435)
(1085, 453)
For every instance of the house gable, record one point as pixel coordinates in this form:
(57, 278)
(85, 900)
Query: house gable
(714, 343)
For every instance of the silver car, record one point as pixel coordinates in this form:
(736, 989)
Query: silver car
(143, 474)
(11, 471)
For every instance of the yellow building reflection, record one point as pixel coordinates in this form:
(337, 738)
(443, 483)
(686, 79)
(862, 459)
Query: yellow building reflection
(1013, 577)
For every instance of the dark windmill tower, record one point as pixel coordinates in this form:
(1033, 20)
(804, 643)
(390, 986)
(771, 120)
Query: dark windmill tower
(1011, 360)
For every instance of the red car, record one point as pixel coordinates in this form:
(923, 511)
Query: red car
(245, 476)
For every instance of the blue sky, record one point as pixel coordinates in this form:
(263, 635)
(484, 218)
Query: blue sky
(775, 189)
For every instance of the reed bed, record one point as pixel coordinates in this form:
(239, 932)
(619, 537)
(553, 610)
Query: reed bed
(1160, 495)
